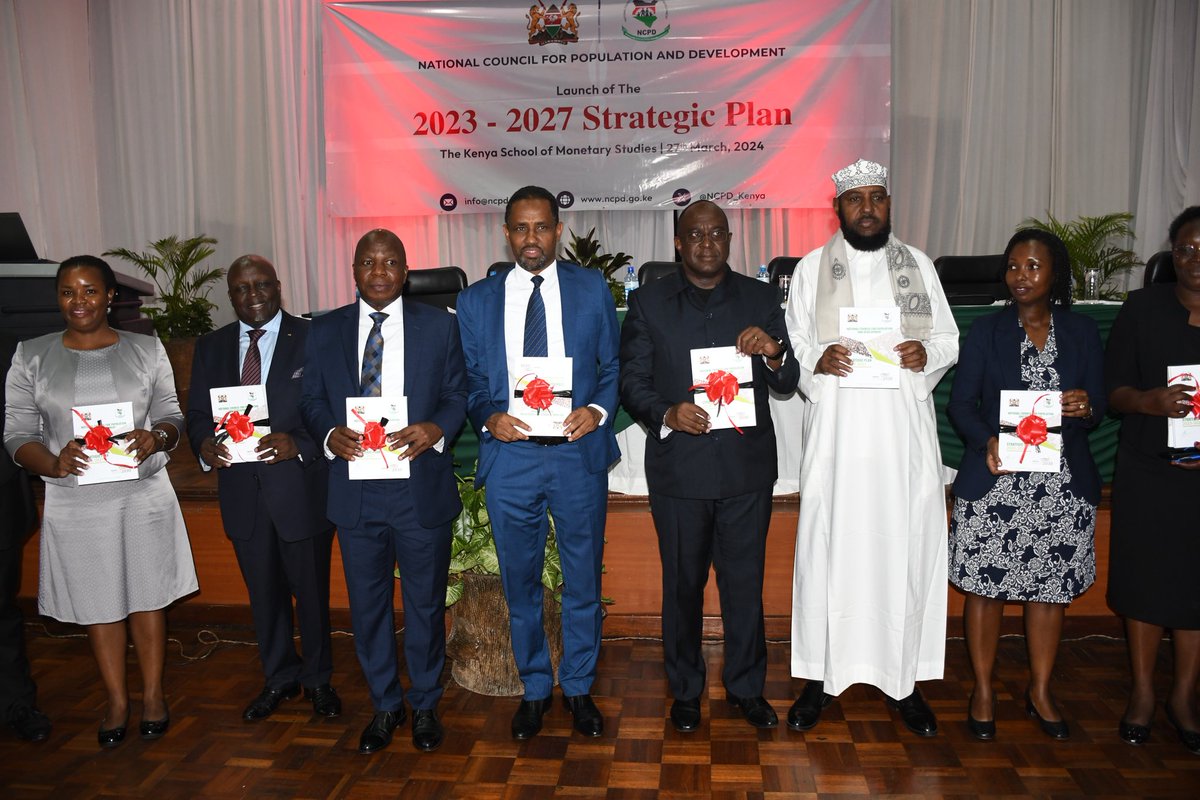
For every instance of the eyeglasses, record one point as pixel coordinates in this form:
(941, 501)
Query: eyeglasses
(1185, 252)
(716, 236)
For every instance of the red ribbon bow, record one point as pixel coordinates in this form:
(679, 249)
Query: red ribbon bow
(98, 439)
(374, 436)
(239, 426)
(537, 394)
(721, 388)
(1032, 430)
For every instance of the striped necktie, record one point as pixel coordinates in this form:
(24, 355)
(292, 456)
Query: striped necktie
(252, 364)
(371, 384)
(535, 321)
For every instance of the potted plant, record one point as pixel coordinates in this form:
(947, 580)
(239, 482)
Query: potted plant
(1089, 242)
(480, 644)
(586, 252)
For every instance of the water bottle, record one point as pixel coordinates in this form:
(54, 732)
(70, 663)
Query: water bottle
(631, 283)
(762, 273)
(1091, 284)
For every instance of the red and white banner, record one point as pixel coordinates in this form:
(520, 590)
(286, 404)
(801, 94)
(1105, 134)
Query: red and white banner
(434, 107)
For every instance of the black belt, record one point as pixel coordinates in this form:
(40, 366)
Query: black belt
(547, 441)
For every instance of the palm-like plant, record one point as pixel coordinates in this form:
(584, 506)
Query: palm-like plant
(183, 285)
(1089, 243)
(586, 252)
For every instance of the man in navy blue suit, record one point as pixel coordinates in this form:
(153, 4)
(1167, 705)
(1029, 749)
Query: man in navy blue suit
(526, 475)
(273, 511)
(383, 345)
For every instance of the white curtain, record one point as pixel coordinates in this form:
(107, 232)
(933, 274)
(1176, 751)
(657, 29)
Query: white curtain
(127, 120)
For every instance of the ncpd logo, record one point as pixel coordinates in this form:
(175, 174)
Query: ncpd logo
(552, 25)
(646, 20)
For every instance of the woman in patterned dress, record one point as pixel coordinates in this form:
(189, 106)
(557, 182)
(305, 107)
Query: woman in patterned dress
(112, 556)
(1025, 536)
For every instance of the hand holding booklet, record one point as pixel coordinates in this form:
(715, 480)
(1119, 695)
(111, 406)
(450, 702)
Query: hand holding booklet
(541, 396)
(723, 385)
(1031, 431)
(241, 418)
(375, 418)
(871, 336)
(1185, 431)
(101, 430)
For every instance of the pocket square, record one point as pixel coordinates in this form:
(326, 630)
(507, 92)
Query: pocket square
(298, 373)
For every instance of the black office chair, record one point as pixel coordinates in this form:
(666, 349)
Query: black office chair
(437, 286)
(497, 267)
(1159, 269)
(972, 280)
(780, 266)
(653, 270)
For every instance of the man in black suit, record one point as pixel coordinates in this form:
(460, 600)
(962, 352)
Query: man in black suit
(273, 510)
(710, 489)
(18, 694)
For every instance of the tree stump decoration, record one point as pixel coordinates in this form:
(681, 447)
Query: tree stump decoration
(480, 641)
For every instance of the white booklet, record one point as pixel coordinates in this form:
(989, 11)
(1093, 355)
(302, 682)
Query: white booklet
(1031, 431)
(240, 419)
(722, 384)
(1185, 431)
(871, 335)
(541, 395)
(101, 429)
(375, 418)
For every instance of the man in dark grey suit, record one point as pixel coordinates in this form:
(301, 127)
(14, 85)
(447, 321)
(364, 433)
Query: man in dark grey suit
(18, 694)
(710, 488)
(274, 510)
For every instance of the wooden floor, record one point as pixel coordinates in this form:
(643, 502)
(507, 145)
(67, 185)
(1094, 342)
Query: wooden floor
(860, 747)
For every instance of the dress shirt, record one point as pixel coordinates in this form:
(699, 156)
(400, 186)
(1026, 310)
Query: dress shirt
(266, 343)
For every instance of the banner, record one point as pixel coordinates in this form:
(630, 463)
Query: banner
(434, 107)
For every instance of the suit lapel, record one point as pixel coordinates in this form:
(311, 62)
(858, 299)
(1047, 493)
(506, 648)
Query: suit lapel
(412, 352)
(281, 359)
(567, 291)
(227, 366)
(497, 350)
(349, 335)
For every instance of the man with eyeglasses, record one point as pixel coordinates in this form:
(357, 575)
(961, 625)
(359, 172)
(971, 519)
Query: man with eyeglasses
(545, 309)
(710, 479)
(869, 581)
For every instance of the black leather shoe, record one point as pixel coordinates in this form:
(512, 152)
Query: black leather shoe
(154, 728)
(378, 734)
(325, 700)
(1055, 730)
(805, 712)
(916, 714)
(113, 736)
(426, 730)
(1132, 733)
(685, 715)
(756, 710)
(983, 730)
(1190, 739)
(268, 700)
(29, 724)
(528, 720)
(588, 720)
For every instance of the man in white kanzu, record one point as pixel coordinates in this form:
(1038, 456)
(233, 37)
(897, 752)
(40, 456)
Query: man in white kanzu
(869, 585)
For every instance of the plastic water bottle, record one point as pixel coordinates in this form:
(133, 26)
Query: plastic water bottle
(631, 283)
(762, 273)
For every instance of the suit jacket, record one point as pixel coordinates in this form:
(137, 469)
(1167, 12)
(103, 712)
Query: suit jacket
(41, 393)
(661, 329)
(990, 361)
(590, 338)
(17, 513)
(435, 384)
(295, 490)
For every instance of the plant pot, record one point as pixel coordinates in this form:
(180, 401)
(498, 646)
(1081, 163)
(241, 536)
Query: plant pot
(480, 641)
(180, 352)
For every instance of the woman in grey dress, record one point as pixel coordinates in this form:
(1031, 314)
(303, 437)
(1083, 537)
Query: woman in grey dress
(113, 555)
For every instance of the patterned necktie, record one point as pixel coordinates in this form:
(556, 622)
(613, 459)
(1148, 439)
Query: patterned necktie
(535, 321)
(371, 384)
(252, 365)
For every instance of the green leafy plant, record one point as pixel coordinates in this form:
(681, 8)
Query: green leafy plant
(586, 251)
(1089, 241)
(176, 267)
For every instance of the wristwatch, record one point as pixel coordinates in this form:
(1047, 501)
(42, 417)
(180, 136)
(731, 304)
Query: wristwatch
(162, 437)
(782, 348)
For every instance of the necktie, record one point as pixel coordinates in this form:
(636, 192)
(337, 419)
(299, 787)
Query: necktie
(252, 365)
(535, 321)
(371, 384)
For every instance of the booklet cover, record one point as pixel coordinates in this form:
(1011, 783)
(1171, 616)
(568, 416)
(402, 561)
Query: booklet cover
(871, 334)
(375, 418)
(100, 430)
(723, 385)
(1185, 431)
(541, 395)
(1031, 431)
(240, 419)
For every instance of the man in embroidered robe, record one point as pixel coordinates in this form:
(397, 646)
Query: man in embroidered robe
(869, 585)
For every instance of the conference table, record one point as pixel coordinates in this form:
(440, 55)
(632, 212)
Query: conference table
(628, 475)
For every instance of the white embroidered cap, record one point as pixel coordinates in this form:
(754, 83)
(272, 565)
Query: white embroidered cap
(860, 173)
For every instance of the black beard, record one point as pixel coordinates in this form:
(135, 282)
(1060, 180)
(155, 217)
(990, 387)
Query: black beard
(866, 244)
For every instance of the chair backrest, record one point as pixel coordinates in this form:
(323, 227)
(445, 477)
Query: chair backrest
(653, 270)
(780, 266)
(437, 286)
(972, 280)
(1159, 269)
(496, 267)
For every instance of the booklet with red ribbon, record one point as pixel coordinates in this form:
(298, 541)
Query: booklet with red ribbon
(241, 418)
(100, 430)
(1185, 431)
(723, 385)
(541, 396)
(375, 418)
(1031, 431)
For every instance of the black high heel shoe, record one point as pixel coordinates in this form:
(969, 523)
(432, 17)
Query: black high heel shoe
(983, 730)
(154, 728)
(1190, 739)
(1055, 730)
(113, 736)
(1132, 733)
